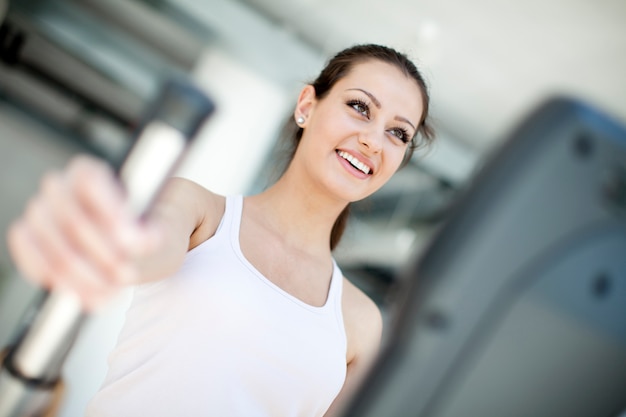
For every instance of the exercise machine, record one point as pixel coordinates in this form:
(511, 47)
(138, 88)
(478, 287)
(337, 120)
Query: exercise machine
(518, 306)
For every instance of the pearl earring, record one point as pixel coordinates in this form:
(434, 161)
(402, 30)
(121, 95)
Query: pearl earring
(300, 120)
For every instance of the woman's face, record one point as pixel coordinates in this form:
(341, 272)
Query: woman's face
(356, 137)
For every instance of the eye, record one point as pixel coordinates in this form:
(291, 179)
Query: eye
(361, 107)
(401, 134)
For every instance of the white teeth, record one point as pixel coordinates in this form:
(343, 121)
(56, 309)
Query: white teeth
(355, 162)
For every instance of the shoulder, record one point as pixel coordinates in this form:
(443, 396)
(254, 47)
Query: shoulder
(200, 205)
(363, 323)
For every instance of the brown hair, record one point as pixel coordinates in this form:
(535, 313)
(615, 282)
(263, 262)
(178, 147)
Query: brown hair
(337, 68)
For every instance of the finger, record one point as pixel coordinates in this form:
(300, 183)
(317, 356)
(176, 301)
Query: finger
(83, 235)
(43, 231)
(27, 256)
(32, 265)
(102, 198)
(66, 267)
(82, 279)
(135, 237)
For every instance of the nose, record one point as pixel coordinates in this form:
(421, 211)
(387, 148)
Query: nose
(372, 139)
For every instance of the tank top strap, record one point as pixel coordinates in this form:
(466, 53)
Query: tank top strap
(234, 207)
(336, 282)
(229, 224)
(333, 303)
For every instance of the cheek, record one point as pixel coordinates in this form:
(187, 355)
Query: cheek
(394, 158)
(334, 120)
(327, 136)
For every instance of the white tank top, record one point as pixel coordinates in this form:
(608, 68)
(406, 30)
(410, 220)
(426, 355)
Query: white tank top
(220, 339)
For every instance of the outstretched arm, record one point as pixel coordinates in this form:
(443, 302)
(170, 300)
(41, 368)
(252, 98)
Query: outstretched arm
(78, 232)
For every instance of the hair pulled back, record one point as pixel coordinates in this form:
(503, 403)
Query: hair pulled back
(337, 68)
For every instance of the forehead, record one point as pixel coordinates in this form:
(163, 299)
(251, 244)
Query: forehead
(392, 87)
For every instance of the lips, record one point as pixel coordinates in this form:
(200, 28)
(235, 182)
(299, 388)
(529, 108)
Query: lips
(355, 162)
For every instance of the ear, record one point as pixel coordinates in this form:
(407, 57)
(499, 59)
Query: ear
(306, 103)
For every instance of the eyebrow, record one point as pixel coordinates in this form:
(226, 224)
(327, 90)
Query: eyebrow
(378, 105)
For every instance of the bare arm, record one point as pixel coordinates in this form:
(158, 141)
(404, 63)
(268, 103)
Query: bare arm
(185, 216)
(363, 323)
(77, 232)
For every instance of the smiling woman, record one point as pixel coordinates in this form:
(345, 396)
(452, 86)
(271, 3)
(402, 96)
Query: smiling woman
(239, 307)
(385, 59)
(363, 116)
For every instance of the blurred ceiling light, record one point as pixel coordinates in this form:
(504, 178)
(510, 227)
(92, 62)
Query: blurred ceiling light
(423, 44)
(428, 31)
(427, 42)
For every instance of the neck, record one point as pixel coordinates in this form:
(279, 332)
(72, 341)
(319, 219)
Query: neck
(303, 215)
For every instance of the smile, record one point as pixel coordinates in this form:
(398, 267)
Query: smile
(355, 162)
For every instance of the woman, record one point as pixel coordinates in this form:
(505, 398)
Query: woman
(240, 308)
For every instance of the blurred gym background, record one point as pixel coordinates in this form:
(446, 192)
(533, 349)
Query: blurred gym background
(76, 75)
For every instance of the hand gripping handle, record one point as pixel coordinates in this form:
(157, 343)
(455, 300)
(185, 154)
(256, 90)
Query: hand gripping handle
(171, 123)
